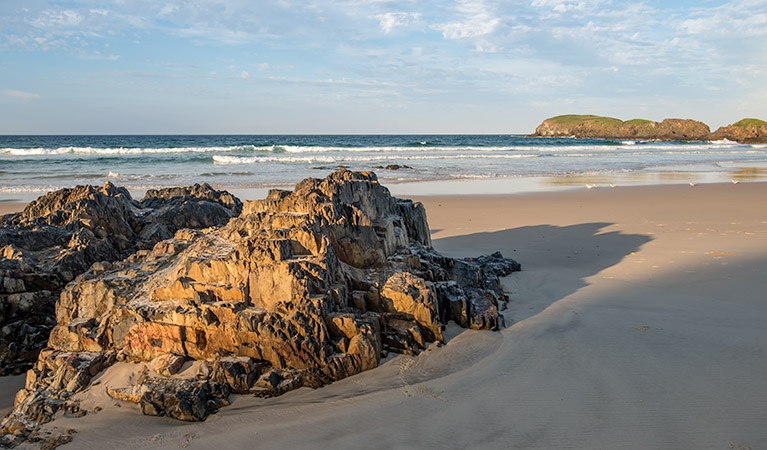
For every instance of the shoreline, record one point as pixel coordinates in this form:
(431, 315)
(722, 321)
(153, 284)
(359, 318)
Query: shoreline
(454, 188)
(753, 172)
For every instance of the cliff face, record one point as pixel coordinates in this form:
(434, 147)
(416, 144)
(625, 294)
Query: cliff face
(583, 126)
(301, 289)
(746, 131)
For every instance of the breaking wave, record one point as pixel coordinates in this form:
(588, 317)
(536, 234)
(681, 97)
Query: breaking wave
(132, 150)
(227, 159)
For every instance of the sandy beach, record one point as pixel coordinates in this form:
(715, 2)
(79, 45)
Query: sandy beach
(7, 207)
(637, 322)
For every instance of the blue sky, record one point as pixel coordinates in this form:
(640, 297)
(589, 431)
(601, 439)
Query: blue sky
(373, 66)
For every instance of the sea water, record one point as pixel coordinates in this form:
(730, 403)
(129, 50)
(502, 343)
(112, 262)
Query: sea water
(36, 164)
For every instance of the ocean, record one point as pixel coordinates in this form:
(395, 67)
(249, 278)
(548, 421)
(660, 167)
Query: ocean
(37, 164)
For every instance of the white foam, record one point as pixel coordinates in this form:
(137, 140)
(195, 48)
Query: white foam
(307, 149)
(227, 159)
(129, 150)
(278, 149)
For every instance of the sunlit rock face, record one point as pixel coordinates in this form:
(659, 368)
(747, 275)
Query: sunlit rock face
(63, 233)
(301, 289)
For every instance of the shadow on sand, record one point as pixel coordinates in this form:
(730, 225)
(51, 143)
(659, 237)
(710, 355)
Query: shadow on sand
(556, 260)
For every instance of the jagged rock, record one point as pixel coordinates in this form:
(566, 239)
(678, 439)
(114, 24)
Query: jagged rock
(167, 364)
(238, 372)
(198, 206)
(64, 233)
(301, 289)
(408, 294)
(187, 400)
(746, 131)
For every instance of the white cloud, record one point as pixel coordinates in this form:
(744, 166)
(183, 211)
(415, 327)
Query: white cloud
(97, 55)
(559, 6)
(477, 21)
(244, 74)
(391, 20)
(737, 19)
(20, 95)
(168, 9)
(50, 19)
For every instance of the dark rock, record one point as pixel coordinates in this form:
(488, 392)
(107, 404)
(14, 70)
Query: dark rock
(301, 289)
(238, 372)
(64, 233)
(187, 400)
(396, 167)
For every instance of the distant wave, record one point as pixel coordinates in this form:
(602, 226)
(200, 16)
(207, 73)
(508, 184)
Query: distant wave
(418, 148)
(227, 159)
(394, 149)
(131, 150)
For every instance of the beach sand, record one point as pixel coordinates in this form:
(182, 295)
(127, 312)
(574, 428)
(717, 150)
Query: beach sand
(7, 207)
(638, 321)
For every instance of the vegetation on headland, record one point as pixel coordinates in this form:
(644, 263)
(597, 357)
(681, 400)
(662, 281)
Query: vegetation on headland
(637, 122)
(575, 119)
(747, 122)
(591, 126)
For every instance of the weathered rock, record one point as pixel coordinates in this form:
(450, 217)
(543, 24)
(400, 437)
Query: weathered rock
(198, 206)
(746, 131)
(167, 364)
(238, 372)
(64, 233)
(302, 289)
(187, 400)
(408, 294)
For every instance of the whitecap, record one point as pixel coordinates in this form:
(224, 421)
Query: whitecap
(132, 150)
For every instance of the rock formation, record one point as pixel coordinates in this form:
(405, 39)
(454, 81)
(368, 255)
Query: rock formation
(61, 234)
(746, 131)
(301, 289)
(584, 126)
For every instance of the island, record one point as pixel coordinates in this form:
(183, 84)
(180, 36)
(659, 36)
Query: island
(747, 131)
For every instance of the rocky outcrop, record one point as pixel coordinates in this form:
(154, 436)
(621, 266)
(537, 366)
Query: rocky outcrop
(746, 131)
(585, 126)
(63, 233)
(303, 288)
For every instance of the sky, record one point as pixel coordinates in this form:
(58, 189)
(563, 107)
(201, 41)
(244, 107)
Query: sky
(373, 66)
